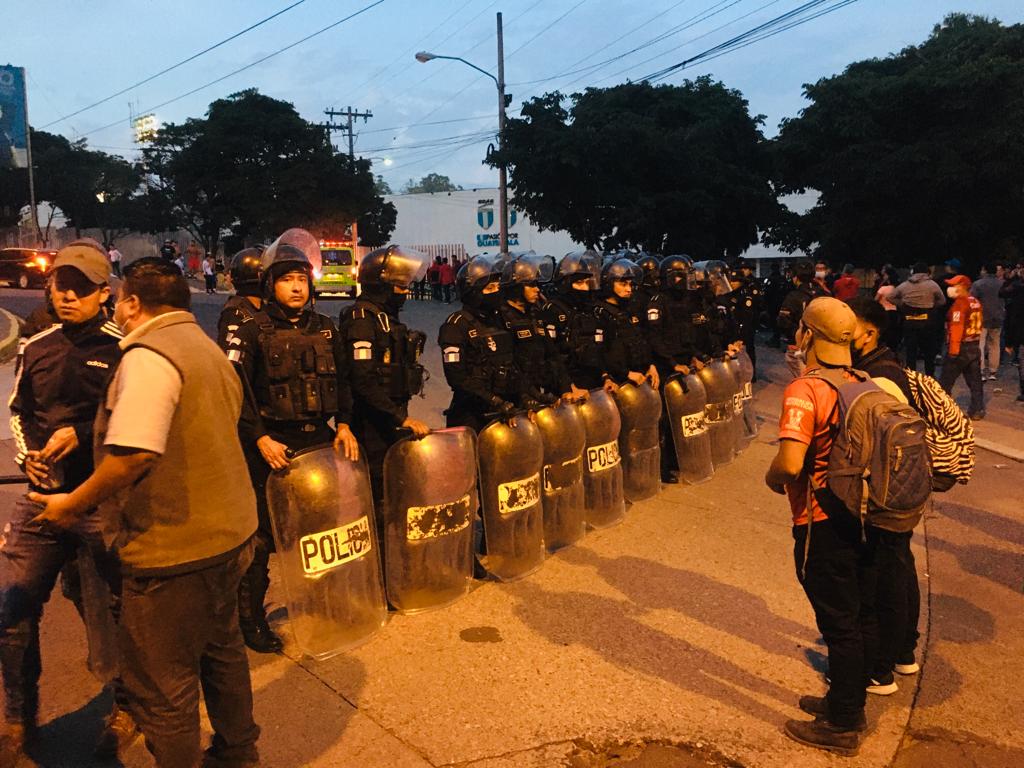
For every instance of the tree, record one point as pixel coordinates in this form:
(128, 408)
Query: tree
(377, 224)
(253, 167)
(432, 182)
(919, 155)
(667, 168)
(381, 186)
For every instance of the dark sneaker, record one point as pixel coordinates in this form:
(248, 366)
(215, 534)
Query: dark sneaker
(260, 637)
(818, 706)
(670, 477)
(822, 734)
(119, 732)
(1020, 398)
(885, 686)
(976, 416)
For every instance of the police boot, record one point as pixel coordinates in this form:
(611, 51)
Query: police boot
(252, 616)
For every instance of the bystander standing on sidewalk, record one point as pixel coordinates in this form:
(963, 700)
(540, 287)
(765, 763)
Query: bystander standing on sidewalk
(964, 322)
(847, 285)
(892, 335)
(1012, 293)
(171, 481)
(986, 290)
(919, 299)
(447, 278)
(210, 274)
(115, 259)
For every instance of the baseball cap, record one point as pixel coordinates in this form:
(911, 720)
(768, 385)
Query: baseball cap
(832, 323)
(963, 280)
(88, 257)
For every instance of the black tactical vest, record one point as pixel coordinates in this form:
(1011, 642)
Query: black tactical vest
(491, 354)
(395, 350)
(302, 374)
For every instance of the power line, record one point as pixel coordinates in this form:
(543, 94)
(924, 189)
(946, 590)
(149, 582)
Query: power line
(545, 28)
(435, 122)
(193, 57)
(361, 11)
(433, 143)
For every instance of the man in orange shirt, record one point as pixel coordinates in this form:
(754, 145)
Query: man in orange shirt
(829, 562)
(963, 340)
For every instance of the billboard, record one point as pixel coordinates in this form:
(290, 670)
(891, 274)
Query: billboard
(13, 118)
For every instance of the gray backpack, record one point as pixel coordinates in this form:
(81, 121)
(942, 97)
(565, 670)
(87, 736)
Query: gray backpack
(879, 469)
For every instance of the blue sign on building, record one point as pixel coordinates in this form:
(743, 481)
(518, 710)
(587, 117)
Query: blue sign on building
(13, 120)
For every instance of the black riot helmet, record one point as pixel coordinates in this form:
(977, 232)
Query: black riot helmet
(651, 268)
(526, 269)
(474, 276)
(393, 265)
(295, 249)
(246, 271)
(677, 272)
(579, 265)
(712, 276)
(620, 270)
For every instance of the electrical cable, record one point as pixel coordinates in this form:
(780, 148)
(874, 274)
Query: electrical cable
(193, 57)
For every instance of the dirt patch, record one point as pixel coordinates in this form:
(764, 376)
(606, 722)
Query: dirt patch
(648, 754)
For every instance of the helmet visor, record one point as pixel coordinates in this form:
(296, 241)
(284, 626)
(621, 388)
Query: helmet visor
(404, 266)
(297, 238)
(528, 268)
(715, 275)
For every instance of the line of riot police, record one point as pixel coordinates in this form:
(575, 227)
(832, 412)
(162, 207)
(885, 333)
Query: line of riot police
(577, 387)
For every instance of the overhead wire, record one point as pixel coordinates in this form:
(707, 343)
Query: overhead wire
(250, 65)
(171, 68)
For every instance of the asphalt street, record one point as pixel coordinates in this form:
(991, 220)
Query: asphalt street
(678, 638)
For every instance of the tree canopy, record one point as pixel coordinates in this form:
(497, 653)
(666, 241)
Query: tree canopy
(432, 182)
(919, 155)
(666, 168)
(254, 167)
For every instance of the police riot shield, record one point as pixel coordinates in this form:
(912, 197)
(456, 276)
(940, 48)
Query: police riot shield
(562, 432)
(738, 429)
(511, 459)
(685, 404)
(602, 467)
(430, 505)
(720, 387)
(639, 410)
(750, 426)
(321, 510)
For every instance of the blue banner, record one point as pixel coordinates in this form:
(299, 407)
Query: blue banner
(13, 120)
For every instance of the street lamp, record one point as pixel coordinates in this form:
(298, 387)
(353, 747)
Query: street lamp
(423, 57)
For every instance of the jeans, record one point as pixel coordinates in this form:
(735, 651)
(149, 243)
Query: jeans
(968, 363)
(31, 558)
(838, 572)
(177, 634)
(990, 349)
(889, 581)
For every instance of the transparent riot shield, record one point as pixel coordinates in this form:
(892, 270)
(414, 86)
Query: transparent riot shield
(750, 425)
(738, 429)
(565, 517)
(430, 505)
(602, 466)
(511, 460)
(639, 411)
(720, 387)
(321, 510)
(685, 404)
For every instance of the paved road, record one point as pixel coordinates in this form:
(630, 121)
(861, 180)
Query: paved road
(682, 628)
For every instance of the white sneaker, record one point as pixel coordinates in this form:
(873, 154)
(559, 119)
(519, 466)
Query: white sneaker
(883, 688)
(907, 669)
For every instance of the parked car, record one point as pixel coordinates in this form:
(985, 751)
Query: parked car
(25, 267)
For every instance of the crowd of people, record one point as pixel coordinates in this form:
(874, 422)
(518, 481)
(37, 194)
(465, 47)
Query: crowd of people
(531, 332)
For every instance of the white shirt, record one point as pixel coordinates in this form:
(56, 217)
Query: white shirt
(207, 268)
(143, 396)
(114, 254)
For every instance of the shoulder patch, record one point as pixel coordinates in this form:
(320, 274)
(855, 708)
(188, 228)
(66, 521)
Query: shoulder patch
(653, 313)
(451, 354)
(362, 350)
(524, 333)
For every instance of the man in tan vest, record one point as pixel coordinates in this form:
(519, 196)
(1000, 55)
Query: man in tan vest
(171, 482)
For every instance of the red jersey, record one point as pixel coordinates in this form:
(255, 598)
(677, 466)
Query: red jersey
(846, 287)
(809, 415)
(963, 323)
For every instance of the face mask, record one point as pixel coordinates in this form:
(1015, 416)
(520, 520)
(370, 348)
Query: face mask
(395, 302)
(820, 275)
(952, 292)
(490, 301)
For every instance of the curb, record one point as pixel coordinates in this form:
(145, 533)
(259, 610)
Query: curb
(9, 344)
(997, 448)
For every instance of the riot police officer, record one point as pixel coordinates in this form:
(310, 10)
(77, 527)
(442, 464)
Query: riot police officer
(670, 330)
(544, 376)
(625, 354)
(477, 350)
(569, 318)
(383, 354)
(804, 290)
(744, 306)
(294, 376)
(245, 273)
(719, 333)
(650, 282)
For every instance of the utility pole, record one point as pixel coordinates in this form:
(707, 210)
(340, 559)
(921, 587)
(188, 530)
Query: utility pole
(502, 171)
(348, 126)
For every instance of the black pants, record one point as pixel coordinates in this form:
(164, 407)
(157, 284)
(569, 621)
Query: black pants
(921, 339)
(891, 577)
(838, 570)
(447, 293)
(30, 560)
(968, 363)
(905, 651)
(180, 633)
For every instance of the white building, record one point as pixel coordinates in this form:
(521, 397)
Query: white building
(465, 223)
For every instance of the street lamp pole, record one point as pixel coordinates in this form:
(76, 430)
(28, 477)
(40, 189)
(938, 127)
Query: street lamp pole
(499, 81)
(502, 170)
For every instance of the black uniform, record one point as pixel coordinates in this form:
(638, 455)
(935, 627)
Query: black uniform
(625, 347)
(744, 309)
(670, 332)
(479, 366)
(570, 321)
(61, 376)
(544, 376)
(793, 307)
(236, 311)
(383, 360)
